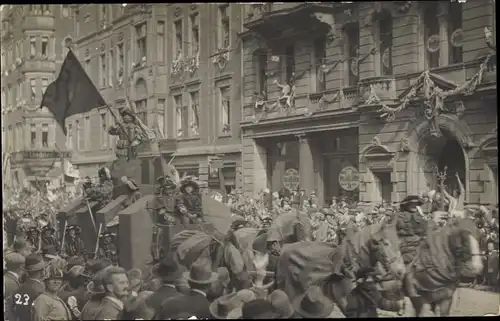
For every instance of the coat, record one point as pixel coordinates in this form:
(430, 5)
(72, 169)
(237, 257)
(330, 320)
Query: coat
(74, 246)
(90, 309)
(164, 293)
(194, 303)
(11, 285)
(48, 307)
(24, 297)
(109, 309)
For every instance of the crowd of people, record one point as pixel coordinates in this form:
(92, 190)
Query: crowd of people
(48, 279)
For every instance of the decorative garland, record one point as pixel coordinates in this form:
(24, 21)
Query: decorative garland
(433, 95)
(177, 65)
(221, 57)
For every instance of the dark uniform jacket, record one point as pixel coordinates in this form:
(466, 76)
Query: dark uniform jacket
(24, 298)
(74, 246)
(195, 303)
(165, 292)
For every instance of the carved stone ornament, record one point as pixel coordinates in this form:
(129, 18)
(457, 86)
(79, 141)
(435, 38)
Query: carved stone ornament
(402, 7)
(120, 36)
(302, 138)
(376, 141)
(404, 145)
(103, 47)
(177, 11)
(459, 108)
(87, 52)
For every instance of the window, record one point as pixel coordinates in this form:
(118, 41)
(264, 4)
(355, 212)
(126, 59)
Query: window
(320, 57)
(110, 72)
(261, 73)
(289, 63)
(65, 10)
(352, 32)
(385, 45)
(160, 40)
(33, 88)
(161, 117)
(195, 115)
(178, 45)
(45, 135)
(32, 47)
(455, 33)
(87, 67)
(178, 116)
(224, 27)
(33, 136)
(45, 45)
(141, 34)
(87, 135)
(225, 110)
(103, 70)
(45, 83)
(194, 40)
(104, 14)
(78, 135)
(383, 186)
(142, 110)
(104, 130)
(431, 35)
(121, 61)
(69, 137)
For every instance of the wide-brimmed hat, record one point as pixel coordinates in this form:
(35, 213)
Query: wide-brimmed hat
(34, 262)
(313, 304)
(94, 266)
(76, 271)
(222, 306)
(189, 182)
(411, 200)
(127, 111)
(200, 273)
(106, 234)
(167, 269)
(73, 227)
(281, 304)
(258, 309)
(166, 182)
(14, 261)
(96, 286)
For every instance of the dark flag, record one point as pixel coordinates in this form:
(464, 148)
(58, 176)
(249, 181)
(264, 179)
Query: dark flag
(72, 92)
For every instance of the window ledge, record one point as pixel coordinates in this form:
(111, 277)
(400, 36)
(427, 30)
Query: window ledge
(223, 135)
(183, 139)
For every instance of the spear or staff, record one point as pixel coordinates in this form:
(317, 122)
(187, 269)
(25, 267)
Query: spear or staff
(64, 237)
(89, 208)
(97, 242)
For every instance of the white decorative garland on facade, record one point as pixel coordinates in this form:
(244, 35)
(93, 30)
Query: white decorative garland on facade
(433, 95)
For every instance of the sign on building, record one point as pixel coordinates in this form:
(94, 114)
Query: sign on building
(291, 179)
(349, 178)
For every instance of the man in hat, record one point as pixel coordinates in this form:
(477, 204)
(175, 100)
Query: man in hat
(102, 192)
(189, 203)
(95, 289)
(116, 287)
(14, 262)
(411, 226)
(313, 304)
(165, 200)
(200, 277)
(49, 241)
(48, 305)
(73, 243)
(75, 289)
(20, 246)
(169, 273)
(129, 135)
(27, 293)
(107, 247)
(33, 237)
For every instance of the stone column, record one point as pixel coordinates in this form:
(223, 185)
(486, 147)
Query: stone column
(306, 164)
(443, 34)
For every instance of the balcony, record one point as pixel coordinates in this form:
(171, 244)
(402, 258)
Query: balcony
(490, 74)
(272, 20)
(39, 21)
(384, 88)
(38, 64)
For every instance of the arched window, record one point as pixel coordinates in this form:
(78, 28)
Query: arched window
(385, 42)
(455, 33)
(141, 100)
(431, 35)
(260, 63)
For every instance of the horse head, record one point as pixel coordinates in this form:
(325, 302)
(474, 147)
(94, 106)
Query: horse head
(383, 247)
(464, 245)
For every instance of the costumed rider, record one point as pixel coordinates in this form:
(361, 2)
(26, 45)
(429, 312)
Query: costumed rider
(50, 245)
(73, 244)
(107, 247)
(102, 192)
(33, 236)
(133, 193)
(129, 135)
(165, 201)
(411, 226)
(189, 203)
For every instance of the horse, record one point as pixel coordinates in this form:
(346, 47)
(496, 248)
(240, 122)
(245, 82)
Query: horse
(340, 268)
(446, 255)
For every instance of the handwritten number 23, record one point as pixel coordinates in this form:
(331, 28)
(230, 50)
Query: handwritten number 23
(19, 299)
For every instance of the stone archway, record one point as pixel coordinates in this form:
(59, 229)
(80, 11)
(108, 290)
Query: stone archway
(426, 154)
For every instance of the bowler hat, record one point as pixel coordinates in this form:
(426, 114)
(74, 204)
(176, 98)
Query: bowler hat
(14, 261)
(313, 304)
(34, 262)
(73, 227)
(168, 270)
(281, 303)
(222, 306)
(258, 309)
(200, 273)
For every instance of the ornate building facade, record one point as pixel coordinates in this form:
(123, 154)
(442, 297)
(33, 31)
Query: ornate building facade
(33, 46)
(180, 65)
(370, 101)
